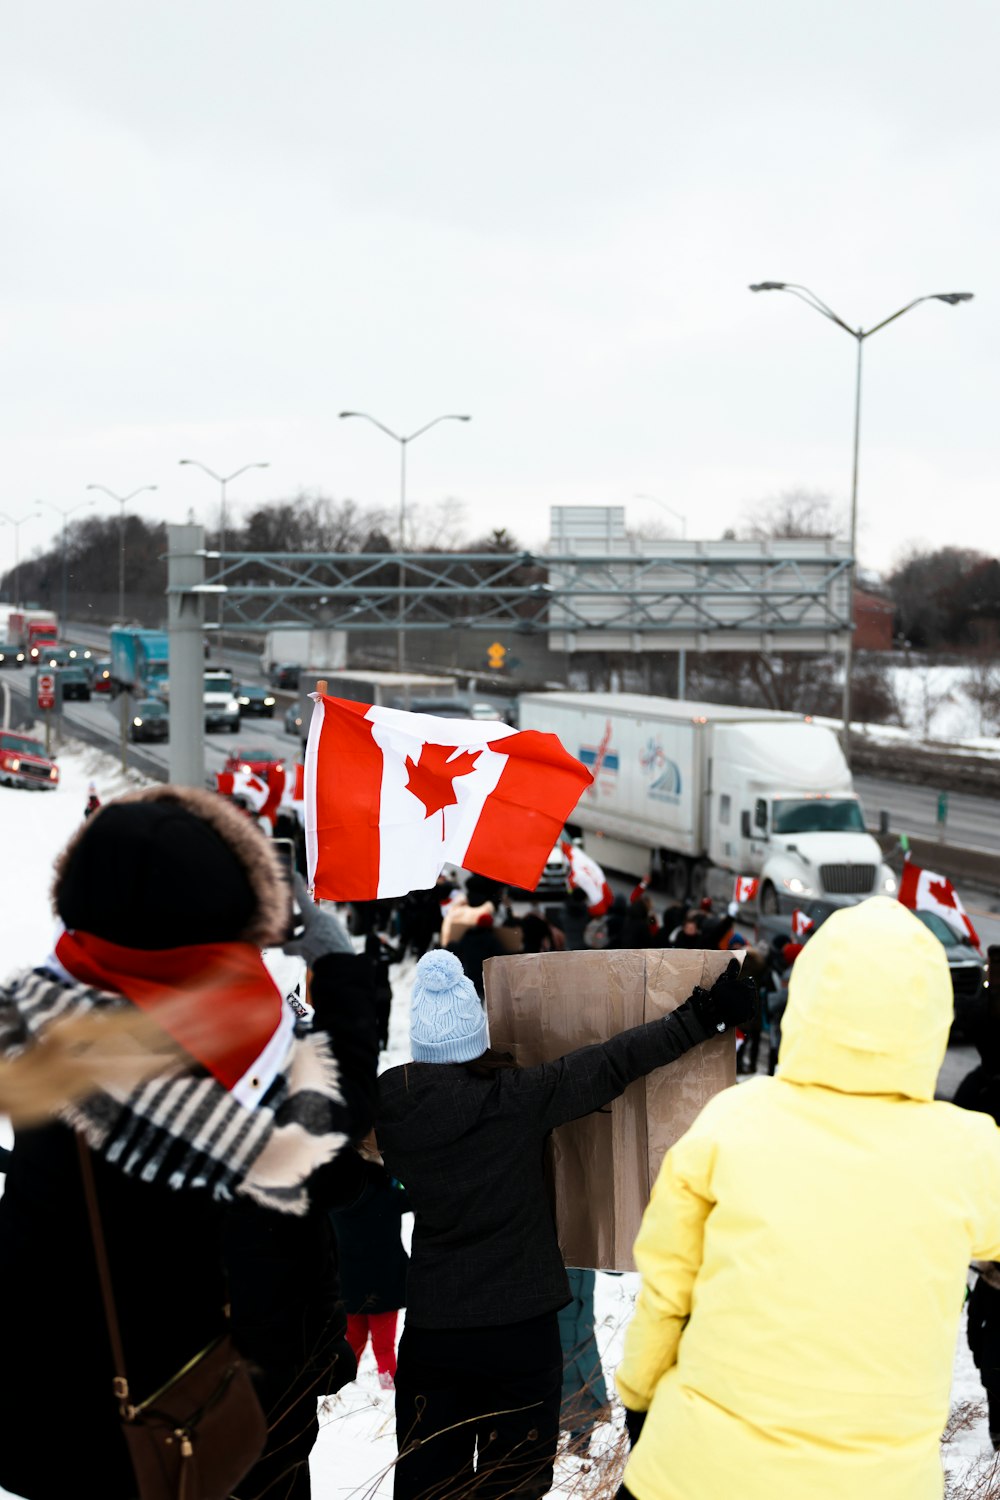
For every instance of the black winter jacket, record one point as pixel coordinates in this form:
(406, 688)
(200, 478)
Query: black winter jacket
(172, 1256)
(373, 1263)
(471, 1152)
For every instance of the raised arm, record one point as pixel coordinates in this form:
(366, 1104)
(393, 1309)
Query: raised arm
(586, 1080)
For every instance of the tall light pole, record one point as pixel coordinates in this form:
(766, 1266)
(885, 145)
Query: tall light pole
(65, 511)
(122, 501)
(404, 440)
(221, 480)
(859, 335)
(17, 523)
(664, 506)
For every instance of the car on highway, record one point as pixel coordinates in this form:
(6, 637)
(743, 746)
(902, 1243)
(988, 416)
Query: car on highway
(24, 763)
(455, 708)
(73, 681)
(554, 879)
(256, 758)
(221, 708)
(293, 721)
(285, 674)
(150, 721)
(255, 701)
(102, 675)
(967, 966)
(11, 654)
(65, 656)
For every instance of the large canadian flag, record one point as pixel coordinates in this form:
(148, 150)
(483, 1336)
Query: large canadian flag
(922, 890)
(392, 797)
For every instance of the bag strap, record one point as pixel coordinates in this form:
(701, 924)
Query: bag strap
(120, 1382)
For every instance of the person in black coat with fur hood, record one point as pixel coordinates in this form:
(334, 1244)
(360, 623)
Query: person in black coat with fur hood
(480, 1365)
(212, 1181)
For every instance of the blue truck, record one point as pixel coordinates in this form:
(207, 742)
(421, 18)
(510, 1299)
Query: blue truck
(139, 660)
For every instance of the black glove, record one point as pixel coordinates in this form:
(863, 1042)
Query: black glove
(732, 1001)
(316, 931)
(633, 1425)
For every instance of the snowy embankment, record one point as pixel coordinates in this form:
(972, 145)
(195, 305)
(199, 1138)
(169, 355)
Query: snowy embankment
(354, 1455)
(937, 708)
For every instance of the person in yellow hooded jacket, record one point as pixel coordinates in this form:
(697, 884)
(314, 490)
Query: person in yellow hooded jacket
(804, 1251)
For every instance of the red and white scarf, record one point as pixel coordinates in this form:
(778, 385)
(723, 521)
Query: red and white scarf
(236, 1025)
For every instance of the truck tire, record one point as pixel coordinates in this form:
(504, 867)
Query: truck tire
(768, 900)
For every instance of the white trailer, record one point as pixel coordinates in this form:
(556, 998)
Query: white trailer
(305, 647)
(680, 787)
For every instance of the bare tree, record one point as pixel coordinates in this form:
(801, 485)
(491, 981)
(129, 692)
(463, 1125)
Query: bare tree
(982, 687)
(931, 699)
(794, 513)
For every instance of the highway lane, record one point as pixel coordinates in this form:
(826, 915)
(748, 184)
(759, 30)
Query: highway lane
(972, 821)
(101, 716)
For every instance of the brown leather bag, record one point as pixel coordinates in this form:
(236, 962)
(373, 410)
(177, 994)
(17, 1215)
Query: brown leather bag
(198, 1435)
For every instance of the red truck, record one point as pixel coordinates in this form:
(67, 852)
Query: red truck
(23, 762)
(33, 629)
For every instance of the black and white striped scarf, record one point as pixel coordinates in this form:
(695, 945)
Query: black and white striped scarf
(184, 1129)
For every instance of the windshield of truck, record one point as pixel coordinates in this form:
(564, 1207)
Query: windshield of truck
(21, 745)
(818, 815)
(158, 668)
(214, 683)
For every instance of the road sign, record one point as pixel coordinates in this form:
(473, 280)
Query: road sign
(495, 655)
(46, 690)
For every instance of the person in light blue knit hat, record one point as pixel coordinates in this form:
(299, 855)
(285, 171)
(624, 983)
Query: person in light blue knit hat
(480, 1366)
(447, 1020)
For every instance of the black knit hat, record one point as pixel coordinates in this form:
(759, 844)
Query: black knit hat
(167, 868)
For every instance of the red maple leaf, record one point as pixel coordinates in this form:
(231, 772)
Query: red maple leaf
(941, 891)
(431, 779)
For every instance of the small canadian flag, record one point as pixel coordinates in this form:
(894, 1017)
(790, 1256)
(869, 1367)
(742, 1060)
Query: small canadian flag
(243, 783)
(745, 890)
(922, 890)
(392, 797)
(801, 923)
(585, 874)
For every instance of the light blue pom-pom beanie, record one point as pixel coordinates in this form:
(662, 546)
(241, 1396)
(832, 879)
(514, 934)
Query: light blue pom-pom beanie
(447, 1018)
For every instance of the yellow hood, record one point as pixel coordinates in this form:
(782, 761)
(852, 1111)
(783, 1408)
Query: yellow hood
(869, 1004)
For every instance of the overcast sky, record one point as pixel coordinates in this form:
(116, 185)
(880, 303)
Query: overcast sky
(223, 221)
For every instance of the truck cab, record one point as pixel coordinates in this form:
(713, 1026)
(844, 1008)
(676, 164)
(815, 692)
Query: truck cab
(812, 846)
(222, 709)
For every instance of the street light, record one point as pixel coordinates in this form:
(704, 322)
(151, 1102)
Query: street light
(17, 524)
(859, 335)
(221, 480)
(664, 506)
(403, 441)
(122, 501)
(65, 511)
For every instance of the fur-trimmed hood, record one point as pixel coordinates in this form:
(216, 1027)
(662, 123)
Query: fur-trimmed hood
(268, 906)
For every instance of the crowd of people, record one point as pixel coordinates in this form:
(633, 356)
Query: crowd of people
(253, 1186)
(476, 920)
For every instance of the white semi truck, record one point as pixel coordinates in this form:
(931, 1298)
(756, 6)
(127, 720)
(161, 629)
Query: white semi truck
(679, 787)
(317, 648)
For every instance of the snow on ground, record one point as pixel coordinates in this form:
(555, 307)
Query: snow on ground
(934, 701)
(354, 1455)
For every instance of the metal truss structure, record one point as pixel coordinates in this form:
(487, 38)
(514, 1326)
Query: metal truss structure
(707, 596)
